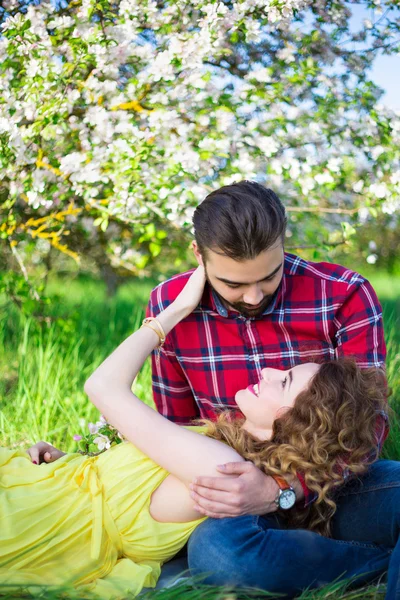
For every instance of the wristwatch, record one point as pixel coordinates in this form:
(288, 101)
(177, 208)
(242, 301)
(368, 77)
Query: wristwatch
(286, 497)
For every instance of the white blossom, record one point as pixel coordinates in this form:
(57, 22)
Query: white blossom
(143, 119)
(379, 190)
(71, 162)
(391, 206)
(5, 125)
(358, 186)
(334, 164)
(102, 442)
(262, 74)
(13, 22)
(363, 215)
(253, 31)
(267, 145)
(377, 151)
(93, 428)
(322, 178)
(286, 54)
(395, 177)
(306, 184)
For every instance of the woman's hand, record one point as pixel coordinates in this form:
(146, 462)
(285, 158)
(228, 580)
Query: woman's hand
(191, 294)
(44, 452)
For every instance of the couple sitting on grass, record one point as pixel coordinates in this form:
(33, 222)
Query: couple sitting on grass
(283, 362)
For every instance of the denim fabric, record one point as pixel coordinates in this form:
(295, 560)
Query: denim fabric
(259, 551)
(173, 572)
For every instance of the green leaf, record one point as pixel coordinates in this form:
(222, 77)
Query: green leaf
(373, 212)
(155, 249)
(348, 230)
(150, 230)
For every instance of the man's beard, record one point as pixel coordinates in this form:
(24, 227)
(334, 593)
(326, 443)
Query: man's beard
(244, 309)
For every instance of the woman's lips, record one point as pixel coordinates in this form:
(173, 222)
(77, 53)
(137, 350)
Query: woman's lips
(251, 389)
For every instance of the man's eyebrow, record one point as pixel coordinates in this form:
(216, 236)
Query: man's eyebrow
(246, 283)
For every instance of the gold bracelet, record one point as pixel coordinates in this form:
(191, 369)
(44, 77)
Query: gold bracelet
(157, 322)
(149, 322)
(155, 331)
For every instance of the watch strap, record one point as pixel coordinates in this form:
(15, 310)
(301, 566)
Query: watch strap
(282, 483)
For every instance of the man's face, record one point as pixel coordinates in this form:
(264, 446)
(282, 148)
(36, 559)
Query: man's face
(246, 286)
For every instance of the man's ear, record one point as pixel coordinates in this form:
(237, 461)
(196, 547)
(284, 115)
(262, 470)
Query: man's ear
(197, 254)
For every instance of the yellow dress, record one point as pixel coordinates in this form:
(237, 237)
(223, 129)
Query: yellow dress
(84, 522)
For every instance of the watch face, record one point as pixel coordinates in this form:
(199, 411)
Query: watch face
(287, 499)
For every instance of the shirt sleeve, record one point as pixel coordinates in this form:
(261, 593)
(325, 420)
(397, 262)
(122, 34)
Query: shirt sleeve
(360, 329)
(172, 393)
(359, 335)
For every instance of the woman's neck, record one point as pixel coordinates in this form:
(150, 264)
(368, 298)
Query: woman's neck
(259, 433)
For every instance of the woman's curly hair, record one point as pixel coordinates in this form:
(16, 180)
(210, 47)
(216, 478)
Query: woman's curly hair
(332, 423)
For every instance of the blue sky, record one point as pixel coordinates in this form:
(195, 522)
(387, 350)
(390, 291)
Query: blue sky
(386, 69)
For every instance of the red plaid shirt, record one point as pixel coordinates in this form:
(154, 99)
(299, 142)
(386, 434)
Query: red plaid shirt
(320, 311)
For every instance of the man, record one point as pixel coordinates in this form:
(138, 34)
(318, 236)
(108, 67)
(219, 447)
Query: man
(263, 308)
(266, 308)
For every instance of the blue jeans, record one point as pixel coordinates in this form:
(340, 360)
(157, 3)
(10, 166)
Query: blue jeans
(261, 552)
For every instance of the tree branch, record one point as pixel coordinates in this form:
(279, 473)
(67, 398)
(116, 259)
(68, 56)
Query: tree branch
(319, 209)
(313, 246)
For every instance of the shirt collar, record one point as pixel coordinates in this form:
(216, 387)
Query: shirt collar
(216, 305)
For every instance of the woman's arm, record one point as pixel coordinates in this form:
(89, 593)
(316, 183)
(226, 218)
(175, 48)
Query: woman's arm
(183, 453)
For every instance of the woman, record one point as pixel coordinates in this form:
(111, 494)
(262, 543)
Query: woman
(105, 524)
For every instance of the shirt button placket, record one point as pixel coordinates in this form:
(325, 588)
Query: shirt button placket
(253, 356)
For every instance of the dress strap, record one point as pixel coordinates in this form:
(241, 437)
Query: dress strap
(87, 479)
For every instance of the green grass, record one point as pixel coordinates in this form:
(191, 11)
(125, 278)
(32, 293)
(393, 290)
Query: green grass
(44, 365)
(201, 592)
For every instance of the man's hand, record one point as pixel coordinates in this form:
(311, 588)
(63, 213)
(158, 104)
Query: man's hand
(250, 493)
(44, 452)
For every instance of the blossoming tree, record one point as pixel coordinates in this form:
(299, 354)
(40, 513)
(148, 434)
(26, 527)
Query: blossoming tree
(118, 117)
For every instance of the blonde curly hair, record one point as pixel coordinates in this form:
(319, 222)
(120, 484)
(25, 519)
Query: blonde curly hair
(332, 423)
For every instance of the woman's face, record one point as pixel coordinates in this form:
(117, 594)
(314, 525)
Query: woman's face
(276, 392)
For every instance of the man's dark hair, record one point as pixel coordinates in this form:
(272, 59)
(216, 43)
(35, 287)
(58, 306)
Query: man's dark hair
(239, 220)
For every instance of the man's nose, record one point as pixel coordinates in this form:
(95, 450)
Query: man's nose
(253, 295)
